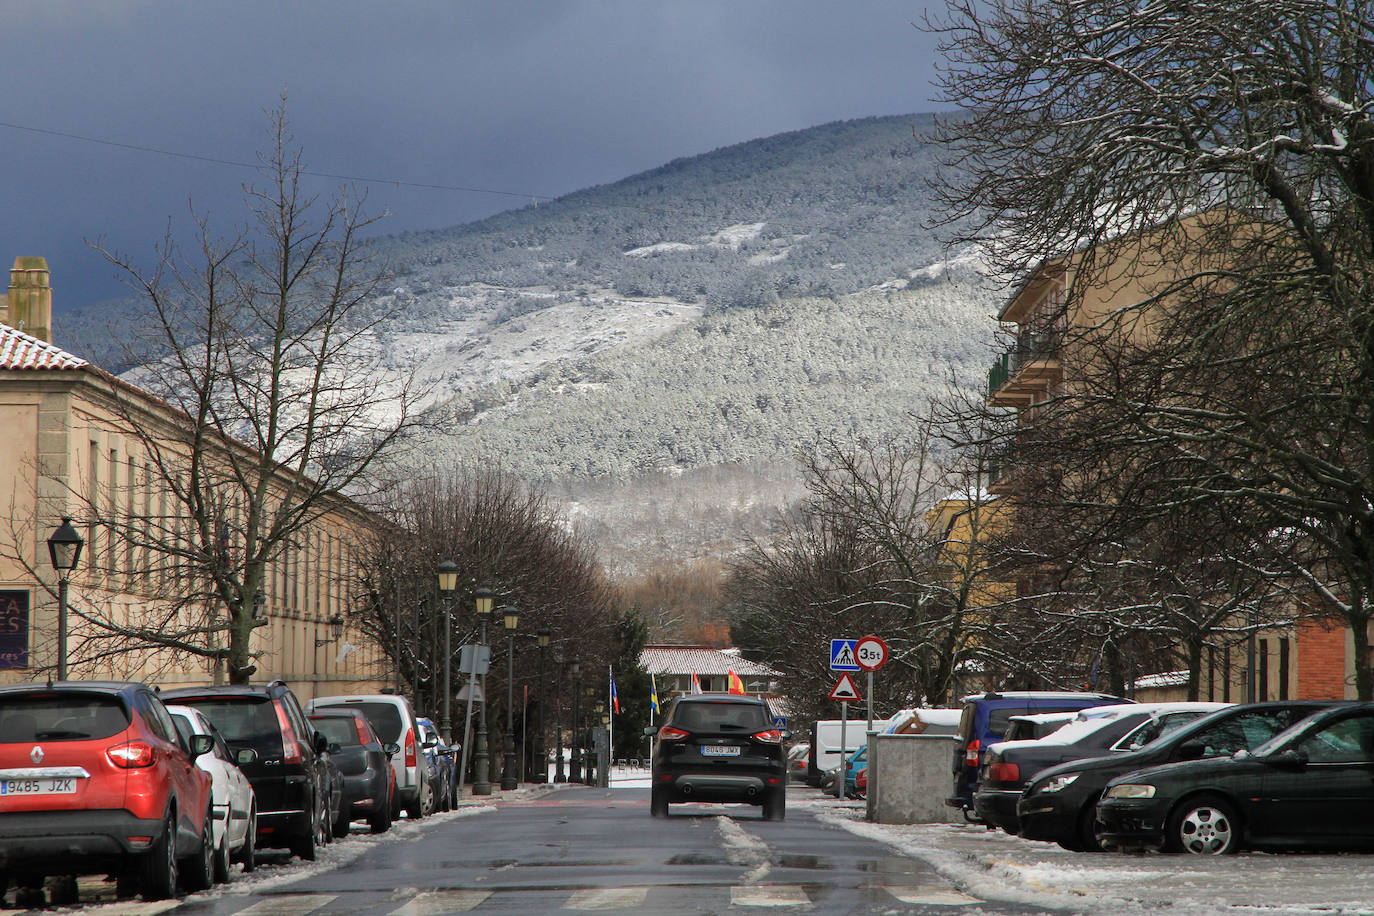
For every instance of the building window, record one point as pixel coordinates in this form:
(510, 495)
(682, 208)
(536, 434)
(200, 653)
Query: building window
(1263, 664)
(1283, 669)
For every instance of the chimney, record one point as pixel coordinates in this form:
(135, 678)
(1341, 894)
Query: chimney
(30, 298)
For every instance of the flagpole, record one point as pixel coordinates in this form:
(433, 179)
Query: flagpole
(610, 726)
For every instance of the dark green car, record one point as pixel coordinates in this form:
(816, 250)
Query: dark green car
(1311, 785)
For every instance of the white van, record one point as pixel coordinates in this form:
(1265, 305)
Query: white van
(825, 745)
(394, 722)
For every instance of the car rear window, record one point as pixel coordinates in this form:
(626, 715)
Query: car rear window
(243, 721)
(337, 729)
(385, 717)
(708, 716)
(60, 717)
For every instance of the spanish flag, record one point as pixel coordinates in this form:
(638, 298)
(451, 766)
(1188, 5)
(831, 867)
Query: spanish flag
(736, 685)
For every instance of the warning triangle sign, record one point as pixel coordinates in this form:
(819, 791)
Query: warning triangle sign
(845, 689)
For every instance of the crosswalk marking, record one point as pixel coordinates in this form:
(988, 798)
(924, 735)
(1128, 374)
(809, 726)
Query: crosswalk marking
(607, 898)
(935, 896)
(432, 903)
(288, 905)
(769, 895)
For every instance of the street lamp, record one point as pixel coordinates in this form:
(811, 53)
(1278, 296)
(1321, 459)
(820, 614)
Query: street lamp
(575, 769)
(448, 584)
(558, 774)
(481, 784)
(336, 628)
(594, 753)
(64, 547)
(508, 777)
(545, 635)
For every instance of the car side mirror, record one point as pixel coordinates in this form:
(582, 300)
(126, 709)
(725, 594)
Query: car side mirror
(1290, 759)
(429, 742)
(391, 748)
(1193, 750)
(786, 735)
(201, 744)
(321, 743)
(650, 731)
(335, 747)
(245, 755)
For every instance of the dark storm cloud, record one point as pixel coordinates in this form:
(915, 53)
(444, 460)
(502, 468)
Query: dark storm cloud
(534, 98)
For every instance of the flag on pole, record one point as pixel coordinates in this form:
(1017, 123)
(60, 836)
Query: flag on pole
(736, 685)
(653, 695)
(615, 698)
(696, 684)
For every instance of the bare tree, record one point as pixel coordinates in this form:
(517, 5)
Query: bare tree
(1107, 126)
(277, 410)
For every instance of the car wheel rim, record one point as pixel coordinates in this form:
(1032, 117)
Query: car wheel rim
(1205, 831)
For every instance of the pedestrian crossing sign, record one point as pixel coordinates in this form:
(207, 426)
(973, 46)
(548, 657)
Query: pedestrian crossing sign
(842, 655)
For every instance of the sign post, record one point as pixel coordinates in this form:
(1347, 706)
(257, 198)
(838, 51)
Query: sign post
(844, 691)
(870, 654)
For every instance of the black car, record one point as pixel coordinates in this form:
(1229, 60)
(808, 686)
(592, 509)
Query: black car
(365, 765)
(719, 747)
(1009, 765)
(290, 775)
(1312, 785)
(1060, 804)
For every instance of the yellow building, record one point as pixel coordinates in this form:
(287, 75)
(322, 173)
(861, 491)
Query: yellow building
(68, 450)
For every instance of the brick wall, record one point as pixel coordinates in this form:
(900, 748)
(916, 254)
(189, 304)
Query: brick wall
(1321, 661)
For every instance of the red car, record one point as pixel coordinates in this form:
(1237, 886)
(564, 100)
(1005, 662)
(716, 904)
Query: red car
(861, 783)
(95, 779)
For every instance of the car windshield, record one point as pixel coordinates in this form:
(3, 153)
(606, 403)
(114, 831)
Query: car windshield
(60, 717)
(709, 716)
(336, 729)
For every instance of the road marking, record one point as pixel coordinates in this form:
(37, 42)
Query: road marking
(431, 903)
(288, 905)
(769, 895)
(134, 908)
(607, 898)
(933, 896)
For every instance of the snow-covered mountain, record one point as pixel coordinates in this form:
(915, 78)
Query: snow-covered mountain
(657, 351)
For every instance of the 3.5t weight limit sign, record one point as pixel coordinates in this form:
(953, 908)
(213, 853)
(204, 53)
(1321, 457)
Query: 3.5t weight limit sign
(871, 653)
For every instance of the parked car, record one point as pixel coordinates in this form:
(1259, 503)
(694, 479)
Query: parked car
(797, 760)
(857, 761)
(719, 747)
(1059, 805)
(983, 721)
(443, 766)
(393, 721)
(826, 753)
(1099, 730)
(365, 768)
(1311, 785)
(95, 779)
(861, 783)
(235, 807)
(287, 770)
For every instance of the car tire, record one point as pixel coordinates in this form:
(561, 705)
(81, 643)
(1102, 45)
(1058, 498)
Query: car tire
(248, 857)
(1088, 833)
(342, 824)
(62, 891)
(380, 820)
(157, 873)
(421, 807)
(1205, 825)
(775, 805)
(222, 859)
(658, 802)
(199, 872)
(306, 846)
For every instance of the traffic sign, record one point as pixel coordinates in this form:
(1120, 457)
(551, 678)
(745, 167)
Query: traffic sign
(844, 689)
(870, 653)
(842, 655)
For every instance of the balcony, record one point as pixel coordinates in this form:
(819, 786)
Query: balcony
(1027, 369)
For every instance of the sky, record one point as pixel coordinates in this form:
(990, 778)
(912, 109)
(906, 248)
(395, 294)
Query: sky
(499, 102)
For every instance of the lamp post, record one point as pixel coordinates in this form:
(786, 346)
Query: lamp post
(481, 783)
(542, 774)
(64, 547)
(448, 584)
(508, 776)
(336, 628)
(558, 774)
(593, 777)
(575, 770)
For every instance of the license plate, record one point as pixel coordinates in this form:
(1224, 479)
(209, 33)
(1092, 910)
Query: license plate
(719, 750)
(48, 785)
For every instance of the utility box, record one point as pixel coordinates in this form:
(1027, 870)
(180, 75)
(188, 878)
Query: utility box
(909, 778)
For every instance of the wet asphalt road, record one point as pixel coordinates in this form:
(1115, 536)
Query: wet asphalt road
(580, 849)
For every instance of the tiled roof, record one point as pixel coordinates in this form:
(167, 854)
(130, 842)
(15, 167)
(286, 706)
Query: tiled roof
(702, 660)
(20, 351)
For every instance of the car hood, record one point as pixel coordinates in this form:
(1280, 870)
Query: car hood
(1191, 770)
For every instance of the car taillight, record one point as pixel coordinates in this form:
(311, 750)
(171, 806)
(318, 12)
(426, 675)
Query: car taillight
(971, 753)
(291, 748)
(363, 736)
(131, 754)
(770, 736)
(1004, 772)
(410, 747)
(668, 733)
